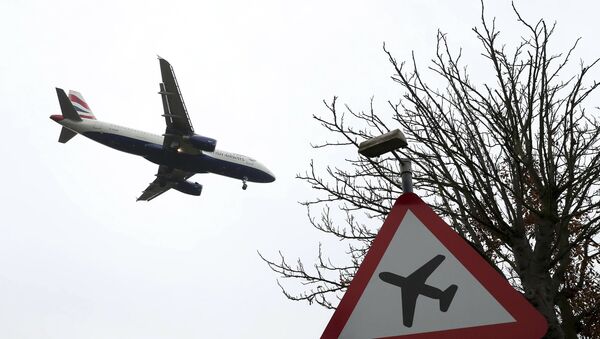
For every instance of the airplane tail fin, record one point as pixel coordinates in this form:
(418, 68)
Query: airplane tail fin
(447, 297)
(80, 105)
(73, 107)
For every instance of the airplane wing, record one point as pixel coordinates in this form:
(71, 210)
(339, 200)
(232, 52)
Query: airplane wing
(175, 113)
(419, 276)
(409, 303)
(165, 180)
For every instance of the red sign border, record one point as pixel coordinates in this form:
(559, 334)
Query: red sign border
(529, 323)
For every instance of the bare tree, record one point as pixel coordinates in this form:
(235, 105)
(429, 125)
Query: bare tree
(512, 165)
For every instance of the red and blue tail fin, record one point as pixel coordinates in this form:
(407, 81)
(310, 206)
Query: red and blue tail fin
(81, 107)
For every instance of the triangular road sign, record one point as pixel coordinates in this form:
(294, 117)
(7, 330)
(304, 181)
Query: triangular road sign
(420, 279)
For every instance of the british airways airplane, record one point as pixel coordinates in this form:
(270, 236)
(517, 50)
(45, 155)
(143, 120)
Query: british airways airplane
(179, 152)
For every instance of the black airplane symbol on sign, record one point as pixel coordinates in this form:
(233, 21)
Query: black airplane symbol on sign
(414, 285)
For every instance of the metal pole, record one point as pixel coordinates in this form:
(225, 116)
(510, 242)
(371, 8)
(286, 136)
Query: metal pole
(406, 174)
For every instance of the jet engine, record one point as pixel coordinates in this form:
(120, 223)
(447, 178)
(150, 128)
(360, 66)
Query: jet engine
(188, 187)
(201, 142)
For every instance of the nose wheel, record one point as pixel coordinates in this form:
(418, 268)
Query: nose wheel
(244, 184)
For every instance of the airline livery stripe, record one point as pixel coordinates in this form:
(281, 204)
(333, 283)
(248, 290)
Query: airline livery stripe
(76, 99)
(80, 109)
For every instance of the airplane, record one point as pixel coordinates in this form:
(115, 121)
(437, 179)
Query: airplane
(414, 285)
(179, 152)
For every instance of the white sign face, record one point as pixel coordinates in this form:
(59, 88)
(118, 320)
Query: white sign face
(419, 286)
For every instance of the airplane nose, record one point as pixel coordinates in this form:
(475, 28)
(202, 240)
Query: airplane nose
(270, 175)
(57, 117)
(267, 175)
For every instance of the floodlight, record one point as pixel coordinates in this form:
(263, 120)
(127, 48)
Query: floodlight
(384, 143)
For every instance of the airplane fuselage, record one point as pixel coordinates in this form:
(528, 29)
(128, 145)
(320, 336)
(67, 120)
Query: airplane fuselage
(410, 287)
(150, 146)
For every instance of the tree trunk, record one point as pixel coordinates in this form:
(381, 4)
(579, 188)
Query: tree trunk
(569, 323)
(537, 284)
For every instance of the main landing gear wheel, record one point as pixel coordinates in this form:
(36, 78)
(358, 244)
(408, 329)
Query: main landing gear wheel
(244, 185)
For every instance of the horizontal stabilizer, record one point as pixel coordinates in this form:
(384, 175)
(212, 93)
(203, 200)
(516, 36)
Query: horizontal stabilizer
(446, 297)
(68, 111)
(66, 135)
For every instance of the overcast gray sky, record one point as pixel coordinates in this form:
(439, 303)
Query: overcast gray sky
(79, 258)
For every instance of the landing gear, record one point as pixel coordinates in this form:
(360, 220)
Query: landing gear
(244, 185)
